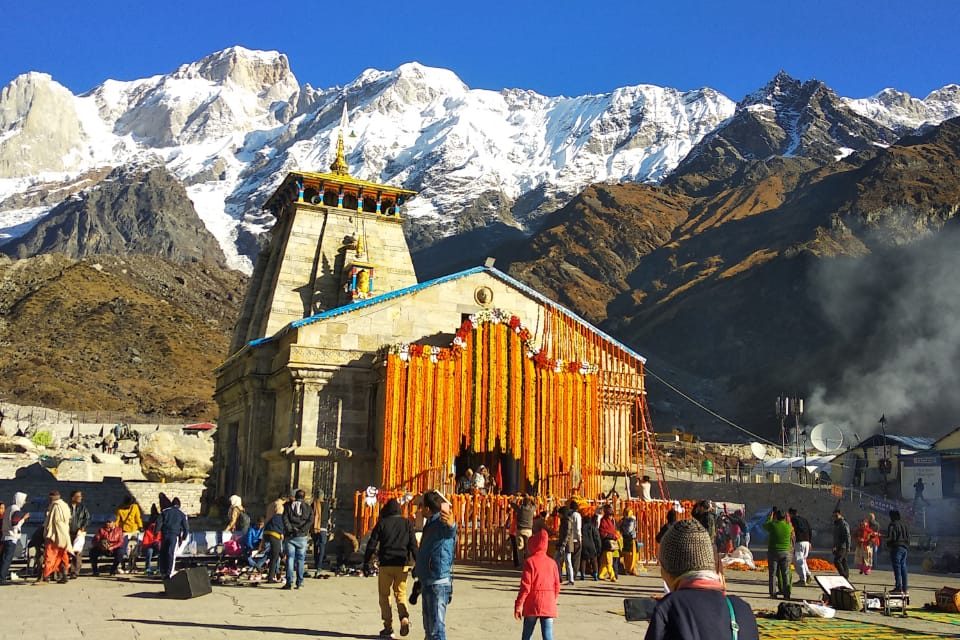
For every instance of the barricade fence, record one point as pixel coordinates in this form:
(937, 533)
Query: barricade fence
(483, 520)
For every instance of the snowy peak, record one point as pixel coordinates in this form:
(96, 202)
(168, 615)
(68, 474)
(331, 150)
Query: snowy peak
(263, 73)
(785, 118)
(40, 127)
(901, 112)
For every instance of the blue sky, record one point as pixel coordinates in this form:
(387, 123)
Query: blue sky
(558, 47)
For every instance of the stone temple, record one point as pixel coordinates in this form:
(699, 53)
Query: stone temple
(346, 372)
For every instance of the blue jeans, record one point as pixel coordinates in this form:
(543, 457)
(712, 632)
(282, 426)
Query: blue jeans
(435, 598)
(898, 556)
(148, 554)
(546, 628)
(296, 549)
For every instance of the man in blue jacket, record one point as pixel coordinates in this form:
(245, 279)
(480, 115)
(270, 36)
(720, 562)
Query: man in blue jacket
(173, 530)
(434, 566)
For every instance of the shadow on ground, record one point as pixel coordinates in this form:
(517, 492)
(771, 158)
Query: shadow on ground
(319, 633)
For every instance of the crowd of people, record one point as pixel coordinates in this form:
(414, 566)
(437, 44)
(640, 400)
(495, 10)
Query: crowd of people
(59, 543)
(590, 541)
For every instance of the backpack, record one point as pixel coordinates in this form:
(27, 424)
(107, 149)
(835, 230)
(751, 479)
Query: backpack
(846, 599)
(243, 521)
(789, 611)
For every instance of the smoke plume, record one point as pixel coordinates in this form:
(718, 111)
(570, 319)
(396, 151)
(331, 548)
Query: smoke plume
(898, 313)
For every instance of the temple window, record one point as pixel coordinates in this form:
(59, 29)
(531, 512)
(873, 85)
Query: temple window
(330, 196)
(370, 203)
(349, 200)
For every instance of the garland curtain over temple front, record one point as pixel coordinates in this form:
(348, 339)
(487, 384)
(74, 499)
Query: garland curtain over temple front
(495, 391)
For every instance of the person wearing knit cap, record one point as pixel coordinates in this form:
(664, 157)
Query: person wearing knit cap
(697, 607)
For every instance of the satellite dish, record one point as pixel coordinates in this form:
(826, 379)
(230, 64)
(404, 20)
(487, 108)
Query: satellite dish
(758, 450)
(826, 438)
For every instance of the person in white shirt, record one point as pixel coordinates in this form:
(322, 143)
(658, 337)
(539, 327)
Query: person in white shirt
(577, 535)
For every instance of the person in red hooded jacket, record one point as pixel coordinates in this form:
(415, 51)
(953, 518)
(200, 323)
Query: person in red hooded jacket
(539, 589)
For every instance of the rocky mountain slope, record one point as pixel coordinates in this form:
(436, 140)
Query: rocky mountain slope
(785, 282)
(133, 210)
(137, 333)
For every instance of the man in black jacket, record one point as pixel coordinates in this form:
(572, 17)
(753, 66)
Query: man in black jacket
(395, 544)
(803, 539)
(79, 521)
(297, 521)
(841, 543)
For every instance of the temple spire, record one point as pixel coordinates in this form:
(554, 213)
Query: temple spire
(339, 165)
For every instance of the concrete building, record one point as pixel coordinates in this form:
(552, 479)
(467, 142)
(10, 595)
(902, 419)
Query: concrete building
(345, 372)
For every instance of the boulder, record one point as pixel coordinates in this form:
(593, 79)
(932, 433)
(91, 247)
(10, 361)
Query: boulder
(171, 457)
(106, 458)
(18, 444)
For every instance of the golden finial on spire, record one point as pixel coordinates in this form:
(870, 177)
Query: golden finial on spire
(339, 165)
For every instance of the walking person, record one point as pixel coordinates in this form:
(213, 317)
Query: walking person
(297, 520)
(13, 520)
(273, 536)
(526, 513)
(778, 553)
(434, 568)
(57, 540)
(539, 590)
(577, 529)
(590, 547)
(628, 531)
(395, 544)
(564, 556)
(79, 521)
(698, 606)
(802, 533)
(866, 538)
(173, 531)
(898, 542)
(841, 543)
(609, 544)
(875, 526)
(318, 531)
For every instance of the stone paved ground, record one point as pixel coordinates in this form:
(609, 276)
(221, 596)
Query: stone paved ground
(128, 608)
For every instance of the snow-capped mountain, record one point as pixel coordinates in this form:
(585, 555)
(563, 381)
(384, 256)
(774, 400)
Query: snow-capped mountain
(231, 125)
(900, 111)
(785, 118)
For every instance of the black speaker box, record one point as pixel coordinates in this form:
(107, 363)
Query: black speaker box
(188, 583)
(635, 609)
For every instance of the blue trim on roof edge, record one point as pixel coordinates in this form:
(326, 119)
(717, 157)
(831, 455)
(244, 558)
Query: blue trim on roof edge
(500, 275)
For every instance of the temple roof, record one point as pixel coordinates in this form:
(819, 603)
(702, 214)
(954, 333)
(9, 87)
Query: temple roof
(306, 177)
(496, 273)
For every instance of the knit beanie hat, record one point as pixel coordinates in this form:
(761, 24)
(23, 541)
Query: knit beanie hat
(686, 546)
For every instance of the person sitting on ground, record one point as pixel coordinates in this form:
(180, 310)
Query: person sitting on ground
(698, 606)
(150, 544)
(107, 542)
